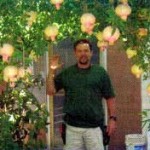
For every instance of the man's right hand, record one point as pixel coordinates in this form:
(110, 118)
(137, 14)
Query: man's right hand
(54, 65)
(55, 62)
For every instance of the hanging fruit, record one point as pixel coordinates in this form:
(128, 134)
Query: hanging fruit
(10, 74)
(51, 32)
(87, 22)
(131, 53)
(111, 34)
(6, 52)
(137, 71)
(123, 11)
(57, 3)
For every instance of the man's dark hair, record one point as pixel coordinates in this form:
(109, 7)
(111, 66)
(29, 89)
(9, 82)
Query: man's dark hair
(82, 41)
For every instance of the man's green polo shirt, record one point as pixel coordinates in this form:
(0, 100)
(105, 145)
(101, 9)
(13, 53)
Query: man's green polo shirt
(84, 90)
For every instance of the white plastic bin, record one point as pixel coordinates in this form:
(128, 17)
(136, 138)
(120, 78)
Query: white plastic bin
(148, 140)
(135, 142)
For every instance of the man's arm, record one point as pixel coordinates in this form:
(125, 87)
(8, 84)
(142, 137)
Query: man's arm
(50, 87)
(54, 65)
(111, 106)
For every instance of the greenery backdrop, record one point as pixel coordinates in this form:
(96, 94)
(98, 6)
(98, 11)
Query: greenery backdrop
(14, 26)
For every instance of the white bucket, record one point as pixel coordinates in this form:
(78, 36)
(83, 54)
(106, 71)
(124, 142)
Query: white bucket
(135, 142)
(148, 140)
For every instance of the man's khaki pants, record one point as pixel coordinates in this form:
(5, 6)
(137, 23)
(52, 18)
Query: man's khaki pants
(83, 138)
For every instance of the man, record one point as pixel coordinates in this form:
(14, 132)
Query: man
(85, 85)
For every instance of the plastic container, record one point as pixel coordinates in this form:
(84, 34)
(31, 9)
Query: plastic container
(135, 142)
(148, 140)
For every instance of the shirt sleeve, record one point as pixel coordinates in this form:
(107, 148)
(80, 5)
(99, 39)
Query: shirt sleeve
(107, 88)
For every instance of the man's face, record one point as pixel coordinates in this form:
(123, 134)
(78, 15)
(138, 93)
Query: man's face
(83, 53)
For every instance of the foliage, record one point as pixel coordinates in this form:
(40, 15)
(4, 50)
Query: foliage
(21, 114)
(146, 120)
(14, 28)
(6, 141)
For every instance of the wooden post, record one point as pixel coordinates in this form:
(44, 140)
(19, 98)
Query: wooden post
(51, 105)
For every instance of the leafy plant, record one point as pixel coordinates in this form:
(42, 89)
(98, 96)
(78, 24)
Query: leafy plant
(14, 26)
(21, 117)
